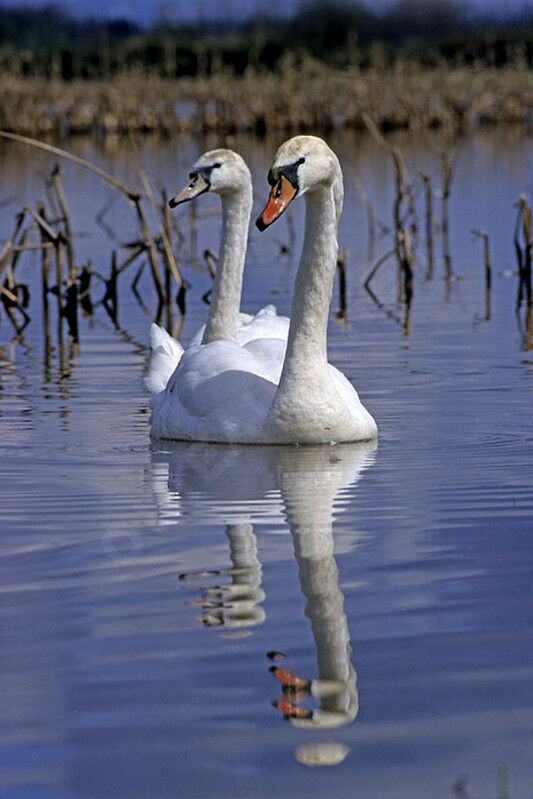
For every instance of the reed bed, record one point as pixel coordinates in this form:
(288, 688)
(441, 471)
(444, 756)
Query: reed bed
(157, 250)
(71, 286)
(301, 95)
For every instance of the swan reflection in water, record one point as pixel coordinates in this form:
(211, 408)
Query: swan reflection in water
(243, 486)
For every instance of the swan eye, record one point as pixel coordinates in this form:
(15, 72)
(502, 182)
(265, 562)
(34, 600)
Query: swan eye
(278, 190)
(217, 165)
(301, 160)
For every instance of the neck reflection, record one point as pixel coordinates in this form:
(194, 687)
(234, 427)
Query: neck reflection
(246, 486)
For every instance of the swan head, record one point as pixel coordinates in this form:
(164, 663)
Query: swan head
(222, 171)
(303, 163)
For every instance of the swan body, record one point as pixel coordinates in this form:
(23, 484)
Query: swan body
(224, 392)
(225, 173)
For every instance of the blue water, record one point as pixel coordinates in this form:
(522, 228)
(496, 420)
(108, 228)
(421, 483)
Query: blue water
(143, 586)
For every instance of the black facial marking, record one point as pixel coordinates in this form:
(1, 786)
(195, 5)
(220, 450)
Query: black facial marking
(205, 172)
(290, 172)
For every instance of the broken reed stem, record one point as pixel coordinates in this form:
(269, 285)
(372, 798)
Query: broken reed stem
(406, 264)
(44, 227)
(428, 194)
(62, 200)
(9, 294)
(60, 269)
(168, 255)
(446, 177)
(523, 254)
(7, 249)
(28, 247)
(45, 245)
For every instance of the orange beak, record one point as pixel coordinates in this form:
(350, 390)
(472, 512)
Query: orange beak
(280, 197)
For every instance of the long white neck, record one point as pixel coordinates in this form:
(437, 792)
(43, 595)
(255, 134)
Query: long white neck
(307, 342)
(226, 296)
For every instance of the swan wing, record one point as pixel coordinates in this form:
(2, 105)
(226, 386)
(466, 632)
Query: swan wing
(165, 354)
(218, 392)
(360, 416)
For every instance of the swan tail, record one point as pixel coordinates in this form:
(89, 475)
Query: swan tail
(165, 354)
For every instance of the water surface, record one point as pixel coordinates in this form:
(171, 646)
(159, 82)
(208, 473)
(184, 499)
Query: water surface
(143, 585)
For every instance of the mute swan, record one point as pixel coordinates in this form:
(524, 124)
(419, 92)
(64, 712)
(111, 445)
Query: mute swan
(227, 393)
(225, 173)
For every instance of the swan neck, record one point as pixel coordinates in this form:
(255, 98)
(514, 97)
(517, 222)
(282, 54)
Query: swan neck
(226, 295)
(307, 341)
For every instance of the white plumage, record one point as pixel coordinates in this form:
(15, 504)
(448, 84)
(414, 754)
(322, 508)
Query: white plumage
(225, 173)
(222, 391)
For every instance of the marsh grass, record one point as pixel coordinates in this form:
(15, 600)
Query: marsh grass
(300, 95)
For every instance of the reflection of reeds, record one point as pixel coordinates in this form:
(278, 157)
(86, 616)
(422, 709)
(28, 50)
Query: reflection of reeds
(300, 95)
(428, 195)
(341, 314)
(523, 245)
(488, 268)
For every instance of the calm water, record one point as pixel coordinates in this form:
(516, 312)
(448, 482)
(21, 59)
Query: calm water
(143, 586)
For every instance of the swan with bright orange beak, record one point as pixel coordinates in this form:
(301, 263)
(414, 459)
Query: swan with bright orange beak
(284, 182)
(300, 164)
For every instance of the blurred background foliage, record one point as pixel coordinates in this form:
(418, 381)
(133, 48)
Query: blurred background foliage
(48, 42)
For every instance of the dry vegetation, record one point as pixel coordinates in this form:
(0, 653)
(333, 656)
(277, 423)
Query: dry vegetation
(305, 96)
(158, 251)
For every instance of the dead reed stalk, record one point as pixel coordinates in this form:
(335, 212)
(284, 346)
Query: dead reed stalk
(447, 167)
(62, 200)
(523, 251)
(428, 195)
